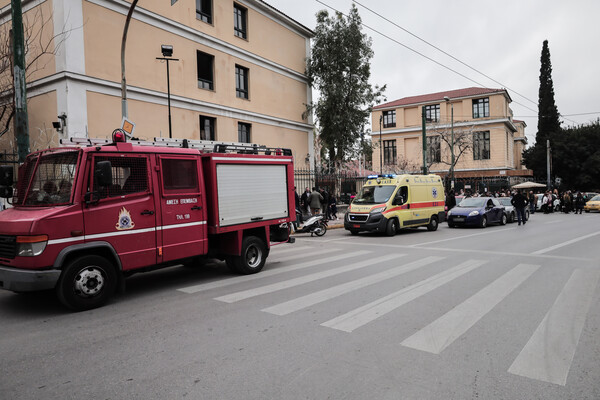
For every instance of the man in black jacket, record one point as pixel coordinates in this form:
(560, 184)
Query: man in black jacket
(519, 201)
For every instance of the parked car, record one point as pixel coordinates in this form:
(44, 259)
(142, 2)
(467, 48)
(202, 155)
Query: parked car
(511, 213)
(593, 204)
(477, 211)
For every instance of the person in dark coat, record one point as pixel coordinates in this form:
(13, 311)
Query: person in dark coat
(325, 204)
(519, 202)
(333, 207)
(450, 200)
(298, 208)
(304, 201)
(579, 203)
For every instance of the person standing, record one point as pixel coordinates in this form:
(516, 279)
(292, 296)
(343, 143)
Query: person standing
(325, 205)
(531, 199)
(298, 207)
(333, 207)
(579, 203)
(450, 200)
(314, 200)
(519, 202)
(304, 201)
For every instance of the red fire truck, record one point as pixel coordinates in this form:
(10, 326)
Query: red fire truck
(86, 216)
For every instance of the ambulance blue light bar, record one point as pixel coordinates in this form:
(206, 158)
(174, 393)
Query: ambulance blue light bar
(381, 176)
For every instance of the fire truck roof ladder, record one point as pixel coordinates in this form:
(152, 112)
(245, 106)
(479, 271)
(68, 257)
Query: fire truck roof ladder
(202, 145)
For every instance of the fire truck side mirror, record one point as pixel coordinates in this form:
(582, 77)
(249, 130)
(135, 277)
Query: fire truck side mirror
(6, 175)
(103, 173)
(6, 181)
(6, 192)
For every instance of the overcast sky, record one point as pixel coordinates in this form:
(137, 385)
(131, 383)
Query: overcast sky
(502, 39)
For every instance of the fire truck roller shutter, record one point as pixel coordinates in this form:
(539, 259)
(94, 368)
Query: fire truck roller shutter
(251, 193)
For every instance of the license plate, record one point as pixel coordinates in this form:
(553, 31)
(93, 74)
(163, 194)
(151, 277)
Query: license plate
(356, 226)
(459, 218)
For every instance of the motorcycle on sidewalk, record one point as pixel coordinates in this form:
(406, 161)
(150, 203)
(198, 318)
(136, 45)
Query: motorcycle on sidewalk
(315, 224)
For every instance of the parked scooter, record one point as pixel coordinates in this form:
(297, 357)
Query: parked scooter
(315, 224)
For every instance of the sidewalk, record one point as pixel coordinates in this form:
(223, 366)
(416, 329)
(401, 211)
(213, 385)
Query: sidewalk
(333, 223)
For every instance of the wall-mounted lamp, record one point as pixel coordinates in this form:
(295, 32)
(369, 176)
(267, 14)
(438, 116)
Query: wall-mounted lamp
(60, 125)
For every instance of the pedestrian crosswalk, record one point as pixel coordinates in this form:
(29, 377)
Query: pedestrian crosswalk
(547, 356)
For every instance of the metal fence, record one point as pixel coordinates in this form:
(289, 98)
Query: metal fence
(342, 184)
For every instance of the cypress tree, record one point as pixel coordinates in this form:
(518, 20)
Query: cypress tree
(548, 118)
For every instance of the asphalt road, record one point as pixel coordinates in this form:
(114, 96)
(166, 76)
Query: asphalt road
(506, 312)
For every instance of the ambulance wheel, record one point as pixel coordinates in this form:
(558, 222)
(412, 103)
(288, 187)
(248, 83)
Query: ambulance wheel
(253, 257)
(391, 227)
(433, 224)
(86, 282)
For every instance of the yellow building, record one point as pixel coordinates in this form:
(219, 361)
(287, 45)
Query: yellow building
(488, 143)
(239, 74)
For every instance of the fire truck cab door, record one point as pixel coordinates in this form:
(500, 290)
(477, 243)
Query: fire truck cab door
(125, 214)
(183, 212)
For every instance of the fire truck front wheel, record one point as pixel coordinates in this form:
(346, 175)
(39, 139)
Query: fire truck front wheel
(252, 259)
(86, 282)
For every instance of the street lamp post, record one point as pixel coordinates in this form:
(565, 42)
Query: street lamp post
(380, 146)
(167, 52)
(451, 142)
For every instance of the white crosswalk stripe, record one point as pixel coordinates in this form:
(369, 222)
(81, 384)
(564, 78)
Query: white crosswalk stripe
(264, 274)
(344, 288)
(302, 256)
(549, 353)
(246, 294)
(441, 333)
(370, 312)
(547, 356)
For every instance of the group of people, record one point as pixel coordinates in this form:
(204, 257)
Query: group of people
(317, 201)
(566, 201)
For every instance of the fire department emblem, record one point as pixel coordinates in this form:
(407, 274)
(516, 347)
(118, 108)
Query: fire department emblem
(125, 222)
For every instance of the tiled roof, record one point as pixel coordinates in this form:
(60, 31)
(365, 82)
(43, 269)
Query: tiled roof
(432, 97)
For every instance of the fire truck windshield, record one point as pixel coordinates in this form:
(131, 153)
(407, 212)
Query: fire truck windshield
(47, 179)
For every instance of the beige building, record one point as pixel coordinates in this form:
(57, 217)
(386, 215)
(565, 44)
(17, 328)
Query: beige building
(239, 77)
(488, 142)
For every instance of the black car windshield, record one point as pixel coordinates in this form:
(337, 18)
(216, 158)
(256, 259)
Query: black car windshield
(374, 194)
(47, 179)
(473, 202)
(505, 201)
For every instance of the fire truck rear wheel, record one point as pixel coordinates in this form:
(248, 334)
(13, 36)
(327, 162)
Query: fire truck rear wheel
(253, 257)
(86, 282)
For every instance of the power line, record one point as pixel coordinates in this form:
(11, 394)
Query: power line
(419, 53)
(444, 52)
(434, 61)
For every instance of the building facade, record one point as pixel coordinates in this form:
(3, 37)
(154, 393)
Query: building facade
(239, 74)
(487, 141)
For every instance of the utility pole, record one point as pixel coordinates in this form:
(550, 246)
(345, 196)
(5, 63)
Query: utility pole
(424, 141)
(380, 146)
(21, 123)
(123, 44)
(548, 163)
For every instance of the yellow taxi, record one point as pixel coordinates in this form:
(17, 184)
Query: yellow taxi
(593, 204)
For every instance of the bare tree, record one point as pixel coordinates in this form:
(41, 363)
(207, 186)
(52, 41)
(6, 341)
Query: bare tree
(40, 49)
(463, 142)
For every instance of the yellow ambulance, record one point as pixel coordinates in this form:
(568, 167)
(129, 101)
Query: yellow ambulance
(388, 203)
